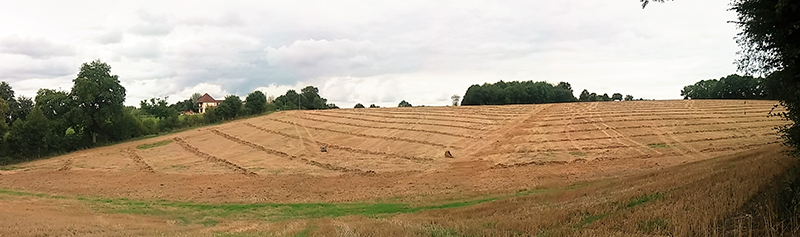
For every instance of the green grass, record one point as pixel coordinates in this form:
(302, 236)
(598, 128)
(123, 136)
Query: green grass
(592, 218)
(657, 145)
(8, 168)
(209, 214)
(151, 145)
(644, 199)
(577, 153)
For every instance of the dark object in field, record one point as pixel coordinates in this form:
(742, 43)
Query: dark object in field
(323, 149)
(447, 154)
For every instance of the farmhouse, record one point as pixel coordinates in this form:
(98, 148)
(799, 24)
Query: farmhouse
(207, 101)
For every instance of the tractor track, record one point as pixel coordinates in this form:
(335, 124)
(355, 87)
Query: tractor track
(143, 166)
(395, 122)
(345, 148)
(213, 159)
(284, 154)
(365, 135)
(390, 128)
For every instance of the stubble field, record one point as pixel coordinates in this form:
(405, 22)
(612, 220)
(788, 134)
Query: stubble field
(622, 168)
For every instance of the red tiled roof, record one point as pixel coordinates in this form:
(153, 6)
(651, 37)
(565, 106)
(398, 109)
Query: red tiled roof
(206, 99)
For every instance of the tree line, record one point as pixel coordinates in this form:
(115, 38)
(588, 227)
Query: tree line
(528, 92)
(92, 113)
(732, 87)
(518, 92)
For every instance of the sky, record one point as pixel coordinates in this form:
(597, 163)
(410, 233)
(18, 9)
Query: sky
(367, 52)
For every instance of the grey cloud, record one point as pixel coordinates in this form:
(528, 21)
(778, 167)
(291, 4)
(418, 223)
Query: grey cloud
(110, 37)
(237, 64)
(144, 50)
(35, 48)
(152, 24)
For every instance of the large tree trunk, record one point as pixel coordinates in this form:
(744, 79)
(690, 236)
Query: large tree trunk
(94, 138)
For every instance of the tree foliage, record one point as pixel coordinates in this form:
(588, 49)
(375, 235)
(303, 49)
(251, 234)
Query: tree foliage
(730, 87)
(3, 124)
(516, 92)
(628, 97)
(616, 96)
(404, 104)
(359, 106)
(158, 107)
(455, 99)
(770, 44)
(230, 108)
(308, 98)
(586, 96)
(255, 102)
(98, 98)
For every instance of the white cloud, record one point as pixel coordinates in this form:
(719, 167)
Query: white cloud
(152, 24)
(34, 47)
(369, 52)
(110, 37)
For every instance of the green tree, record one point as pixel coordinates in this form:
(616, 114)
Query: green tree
(291, 100)
(3, 124)
(605, 97)
(593, 97)
(256, 102)
(28, 136)
(7, 94)
(98, 98)
(54, 104)
(616, 96)
(584, 95)
(359, 106)
(313, 100)
(770, 42)
(211, 115)
(230, 108)
(374, 106)
(158, 107)
(404, 104)
(24, 106)
(628, 97)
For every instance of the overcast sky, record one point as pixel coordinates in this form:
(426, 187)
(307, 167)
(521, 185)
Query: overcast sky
(362, 51)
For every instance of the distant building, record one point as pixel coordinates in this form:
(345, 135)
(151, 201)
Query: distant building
(207, 101)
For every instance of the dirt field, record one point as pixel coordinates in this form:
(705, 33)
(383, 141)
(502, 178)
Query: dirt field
(385, 173)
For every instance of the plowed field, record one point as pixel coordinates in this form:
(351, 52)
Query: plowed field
(382, 154)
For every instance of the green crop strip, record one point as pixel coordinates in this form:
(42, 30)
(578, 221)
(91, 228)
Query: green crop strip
(207, 214)
(151, 145)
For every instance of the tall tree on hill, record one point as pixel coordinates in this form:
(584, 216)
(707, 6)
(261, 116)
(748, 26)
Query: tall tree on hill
(616, 96)
(605, 97)
(230, 108)
(584, 95)
(98, 98)
(455, 99)
(256, 102)
(313, 100)
(291, 100)
(404, 104)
